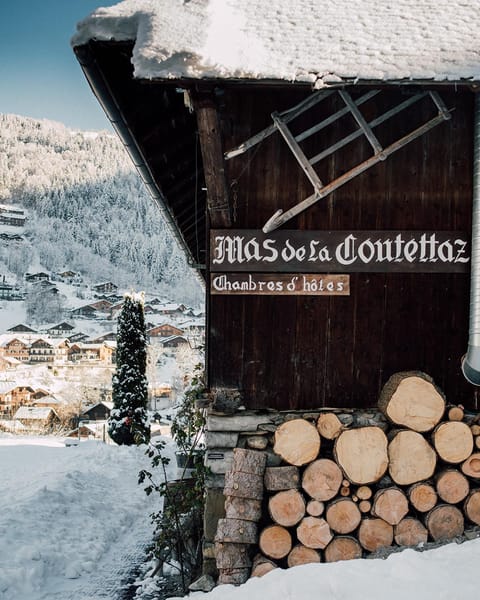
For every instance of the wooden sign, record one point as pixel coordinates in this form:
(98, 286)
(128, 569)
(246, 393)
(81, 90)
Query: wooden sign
(251, 250)
(280, 285)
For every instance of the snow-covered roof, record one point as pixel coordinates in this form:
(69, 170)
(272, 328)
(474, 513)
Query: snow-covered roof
(34, 412)
(316, 41)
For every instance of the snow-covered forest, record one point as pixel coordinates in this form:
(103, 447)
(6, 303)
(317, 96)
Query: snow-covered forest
(87, 209)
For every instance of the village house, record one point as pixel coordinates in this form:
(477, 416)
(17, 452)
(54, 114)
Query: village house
(163, 331)
(8, 363)
(49, 350)
(98, 412)
(70, 277)
(63, 329)
(104, 288)
(12, 215)
(319, 167)
(14, 347)
(85, 311)
(172, 341)
(13, 395)
(35, 277)
(21, 328)
(36, 418)
(7, 291)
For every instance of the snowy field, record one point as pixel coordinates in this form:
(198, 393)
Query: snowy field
(73, 521)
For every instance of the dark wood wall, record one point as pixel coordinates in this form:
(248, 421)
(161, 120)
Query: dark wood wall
(306, 352)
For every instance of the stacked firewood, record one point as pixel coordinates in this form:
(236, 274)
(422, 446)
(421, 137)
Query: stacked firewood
(342, 493)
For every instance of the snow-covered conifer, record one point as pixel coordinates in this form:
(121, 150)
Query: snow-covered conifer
(128, 423)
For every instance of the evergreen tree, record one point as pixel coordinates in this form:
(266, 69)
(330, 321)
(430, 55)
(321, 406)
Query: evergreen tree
(128, 423)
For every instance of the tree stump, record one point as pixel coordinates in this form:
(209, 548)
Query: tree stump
(322, 479)
(444, 522)
(301, 555)
(297, 442)
(243, 485)
(329, 426)
(236, 531)
(471, 507)
(412, 400)
(410, 532)
(281, 478)
(315, 508)
(422, 496)
(362, 454)
(262, 565)
(374, 534)
(287, 508)
(453, 441)
(342, 547)
(390, 504)
(243, 508)
(275, 541)
(452, 486)
(314, 533)
(343, 515)
(471, 467)
(411, 458)
(232, 556)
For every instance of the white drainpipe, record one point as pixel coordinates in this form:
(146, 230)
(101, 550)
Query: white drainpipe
(471, 361)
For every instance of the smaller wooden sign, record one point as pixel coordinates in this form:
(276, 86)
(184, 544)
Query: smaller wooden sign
(279, 284)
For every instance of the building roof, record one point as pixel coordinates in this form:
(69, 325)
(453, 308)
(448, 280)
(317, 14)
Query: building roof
(34, 412)
(316, 41)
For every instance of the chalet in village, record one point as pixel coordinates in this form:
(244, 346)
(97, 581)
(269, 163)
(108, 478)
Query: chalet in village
(319, 164)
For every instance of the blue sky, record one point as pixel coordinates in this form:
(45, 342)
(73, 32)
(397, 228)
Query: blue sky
(39, 75)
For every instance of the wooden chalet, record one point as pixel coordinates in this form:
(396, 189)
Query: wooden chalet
(163, 331)
(320, 167)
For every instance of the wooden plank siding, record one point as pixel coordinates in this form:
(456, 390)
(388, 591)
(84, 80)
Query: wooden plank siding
(305, 352)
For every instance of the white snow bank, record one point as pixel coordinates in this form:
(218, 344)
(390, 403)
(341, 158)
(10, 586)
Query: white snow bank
(71, 519)
(446, 573)
(317, 41)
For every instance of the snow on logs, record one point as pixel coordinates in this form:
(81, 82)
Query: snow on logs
(345, 490)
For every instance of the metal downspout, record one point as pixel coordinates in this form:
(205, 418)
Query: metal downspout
(471, 361)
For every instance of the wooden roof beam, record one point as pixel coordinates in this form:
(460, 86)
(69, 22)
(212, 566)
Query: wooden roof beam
(209, 131)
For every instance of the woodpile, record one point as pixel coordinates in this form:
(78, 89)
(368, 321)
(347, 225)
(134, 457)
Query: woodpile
(343, 491)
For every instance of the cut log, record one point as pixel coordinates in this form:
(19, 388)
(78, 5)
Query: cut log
(243, 508)
(297, 442)
(236, 531)
(232, 556)
(411, 458)
(262, 565)
(452, 486)
(374, 534)
(364, 506)
(233, 576)
(322, 479)
(471, 507)
(281, 478)
(315, 508)
(343, 547)
(243, 485)
(390, 504)
(475, 429)
(471, 467)
(411, 399)
(344, 491)
(287, 508)
(248, 461)
(364, 492)
(314, 533)
(343, 515)
(422, 496)
(275, 541)
(362, 454)
(410, 532)
(444, 522)
(455, 413)
(477, 442)
(301, 555)
(329, 426)
(453, 441)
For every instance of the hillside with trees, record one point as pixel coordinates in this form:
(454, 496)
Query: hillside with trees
(87, 209)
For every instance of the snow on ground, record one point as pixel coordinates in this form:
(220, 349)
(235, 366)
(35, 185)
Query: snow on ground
(11, 314)
(446, 573)
(73, 521)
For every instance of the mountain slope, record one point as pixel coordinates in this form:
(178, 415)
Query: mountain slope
(88, 210)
